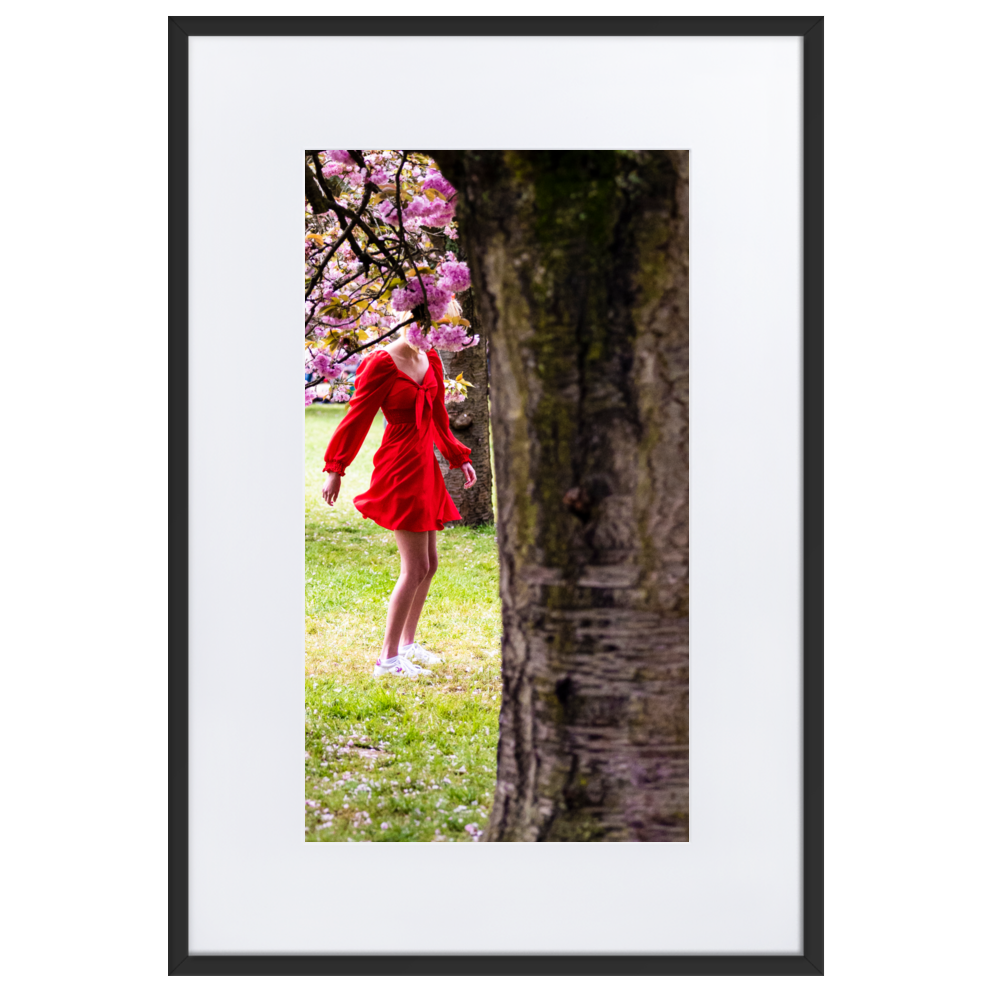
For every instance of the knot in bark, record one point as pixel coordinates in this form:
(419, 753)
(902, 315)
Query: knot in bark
(564, 689)
(578, 501)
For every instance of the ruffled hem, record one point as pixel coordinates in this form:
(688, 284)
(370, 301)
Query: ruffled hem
(438, 523)
(409, 519)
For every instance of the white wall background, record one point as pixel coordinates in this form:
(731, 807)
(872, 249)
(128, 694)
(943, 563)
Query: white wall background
(736, 886)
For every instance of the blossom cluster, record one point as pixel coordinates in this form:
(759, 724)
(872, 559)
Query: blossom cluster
(454, 275)
(444, 338)
(322, 363)
(421, 211)
(420, 290)
(327, 376)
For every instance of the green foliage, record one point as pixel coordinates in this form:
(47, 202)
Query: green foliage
(418, 755)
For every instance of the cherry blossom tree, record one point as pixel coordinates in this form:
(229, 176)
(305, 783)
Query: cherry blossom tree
(380, 257)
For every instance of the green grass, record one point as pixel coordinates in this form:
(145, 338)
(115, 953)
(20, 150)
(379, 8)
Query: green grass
(418, 755)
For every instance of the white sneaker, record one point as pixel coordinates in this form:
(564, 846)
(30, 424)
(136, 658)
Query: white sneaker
(398, 666)
(413, 662)
(417, 654)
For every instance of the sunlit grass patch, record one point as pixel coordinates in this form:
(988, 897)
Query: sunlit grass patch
(417, 756)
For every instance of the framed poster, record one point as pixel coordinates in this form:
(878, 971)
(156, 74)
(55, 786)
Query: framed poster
(731, 107)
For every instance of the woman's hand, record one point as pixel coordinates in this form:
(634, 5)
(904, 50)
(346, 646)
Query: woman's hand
(331, 490)
(470, 475)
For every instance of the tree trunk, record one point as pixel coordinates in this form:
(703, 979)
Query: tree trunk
(579, 263)
(470, 423)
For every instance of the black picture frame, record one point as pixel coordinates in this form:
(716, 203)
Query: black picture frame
(810, 962)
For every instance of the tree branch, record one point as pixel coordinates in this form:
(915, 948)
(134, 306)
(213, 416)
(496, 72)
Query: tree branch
(402, 237)
(364, 347)
(391, 261)
(372, 343)
(322, 267)
(314, 155)
(365, 259)
(314, 194)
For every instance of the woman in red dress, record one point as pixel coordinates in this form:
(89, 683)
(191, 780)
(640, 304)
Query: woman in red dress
(407, 493)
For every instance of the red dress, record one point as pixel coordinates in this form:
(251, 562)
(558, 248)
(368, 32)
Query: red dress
(407, 489)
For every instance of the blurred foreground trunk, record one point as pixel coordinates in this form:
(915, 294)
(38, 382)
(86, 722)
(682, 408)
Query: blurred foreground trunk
(579, 263)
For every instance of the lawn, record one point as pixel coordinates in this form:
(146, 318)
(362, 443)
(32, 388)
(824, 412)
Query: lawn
(388, 758)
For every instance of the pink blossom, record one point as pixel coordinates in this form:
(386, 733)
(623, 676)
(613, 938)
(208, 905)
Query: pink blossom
(454, 276)
(417, 338)
(452, 338)
(339, 156)
(444, 212)
(424, 211)
(438, 183)
(388, 212)
(453, 397)
(341, 394)
(322, 364)
(310, 396)
(379, 176)
(412, 295)
(419, 208)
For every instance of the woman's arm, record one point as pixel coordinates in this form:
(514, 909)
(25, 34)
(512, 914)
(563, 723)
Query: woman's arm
(372, 384)
(452, 449)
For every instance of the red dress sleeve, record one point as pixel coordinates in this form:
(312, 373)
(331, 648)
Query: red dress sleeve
(454, 451)
(372, 383)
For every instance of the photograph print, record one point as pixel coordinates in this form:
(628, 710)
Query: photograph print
(496, 495)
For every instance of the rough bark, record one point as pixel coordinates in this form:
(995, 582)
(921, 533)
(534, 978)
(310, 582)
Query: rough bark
(470, 423)
(579, 263)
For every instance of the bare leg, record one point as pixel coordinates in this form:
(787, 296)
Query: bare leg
(414, 565)
(420, 595)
